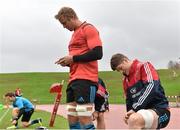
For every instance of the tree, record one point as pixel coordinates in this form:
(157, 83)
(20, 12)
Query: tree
(173, 64)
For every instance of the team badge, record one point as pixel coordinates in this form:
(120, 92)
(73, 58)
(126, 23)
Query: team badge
(133, 90)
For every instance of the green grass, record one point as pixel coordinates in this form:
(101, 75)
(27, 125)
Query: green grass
(36, 85)
(60, 122)
(33, 85)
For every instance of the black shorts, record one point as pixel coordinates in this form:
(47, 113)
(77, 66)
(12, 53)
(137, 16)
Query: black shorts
(81, 91)
(164, 117)
(27, 116)
(101, 104)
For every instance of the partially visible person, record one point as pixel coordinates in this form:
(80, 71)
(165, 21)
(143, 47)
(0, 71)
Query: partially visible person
(85, 48)
(18, 92)
(146, 103)
(101, 104)
(21, 107)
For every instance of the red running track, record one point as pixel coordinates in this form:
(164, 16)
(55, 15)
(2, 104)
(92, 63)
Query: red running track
(114, 118)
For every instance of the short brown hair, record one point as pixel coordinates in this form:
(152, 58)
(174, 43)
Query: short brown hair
(67, 13)
(117, 59)
(10, 94)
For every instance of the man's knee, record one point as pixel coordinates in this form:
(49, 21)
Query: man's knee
(84, 113)
(15, 111)
(25, 124)
(148, 118)
(136, 121)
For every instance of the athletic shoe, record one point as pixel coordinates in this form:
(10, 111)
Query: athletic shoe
(12, 127)
(41, 128)
(40, 121)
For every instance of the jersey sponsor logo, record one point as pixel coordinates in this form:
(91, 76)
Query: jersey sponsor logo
(133, 90)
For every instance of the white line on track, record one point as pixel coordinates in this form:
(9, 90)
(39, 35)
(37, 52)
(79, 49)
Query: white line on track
(2, 117)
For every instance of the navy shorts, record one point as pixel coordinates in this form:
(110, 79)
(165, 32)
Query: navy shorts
(81, 91)
(164, 117)
(27, 116)
(101, 104)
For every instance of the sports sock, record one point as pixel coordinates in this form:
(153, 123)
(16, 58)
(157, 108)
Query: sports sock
(75, 126)
(34, 122)
(88, 126)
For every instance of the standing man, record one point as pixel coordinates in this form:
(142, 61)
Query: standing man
(101, 105)
(147, 105)
(85, 48)
(21, 107)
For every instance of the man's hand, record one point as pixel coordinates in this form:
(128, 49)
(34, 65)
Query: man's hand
(65, 61)
(127, 115)
(14, 122)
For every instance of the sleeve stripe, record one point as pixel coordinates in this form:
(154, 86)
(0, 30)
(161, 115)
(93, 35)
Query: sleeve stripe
(149, 87)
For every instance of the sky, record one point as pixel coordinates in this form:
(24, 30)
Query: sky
(31, 39)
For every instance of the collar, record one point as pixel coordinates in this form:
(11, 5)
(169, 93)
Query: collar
(81, 25)
(133, 67)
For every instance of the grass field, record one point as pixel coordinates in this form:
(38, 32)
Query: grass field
(60, 122)
(36, 85)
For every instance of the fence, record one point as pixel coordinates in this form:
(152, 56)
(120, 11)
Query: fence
(174, 101)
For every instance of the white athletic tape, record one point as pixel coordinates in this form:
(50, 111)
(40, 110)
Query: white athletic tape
(69, 112)
(2, 117)
(148, 117)
(83, 111)
(70, 107)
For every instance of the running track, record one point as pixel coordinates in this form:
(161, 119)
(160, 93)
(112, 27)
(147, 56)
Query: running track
(114, 117)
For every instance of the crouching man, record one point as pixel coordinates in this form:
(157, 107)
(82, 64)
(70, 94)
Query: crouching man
(21, 107)
(147, 105)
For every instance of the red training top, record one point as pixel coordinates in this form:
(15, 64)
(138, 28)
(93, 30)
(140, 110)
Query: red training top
(85, 38)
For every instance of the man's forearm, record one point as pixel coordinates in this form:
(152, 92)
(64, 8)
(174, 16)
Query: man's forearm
(94, 54)
(21, 111)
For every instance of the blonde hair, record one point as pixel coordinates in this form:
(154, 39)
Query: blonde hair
(66, 13)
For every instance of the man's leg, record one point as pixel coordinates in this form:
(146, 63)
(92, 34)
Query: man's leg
(147, 119)
(100, 121)
(82, 92)
(29, 123)
(26, 119)
(85, 91)
(71, 108)
(84, 113)
(72, 116)
(39, 120)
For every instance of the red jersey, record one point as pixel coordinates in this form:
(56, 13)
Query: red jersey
(85, 38)
(143, 88)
